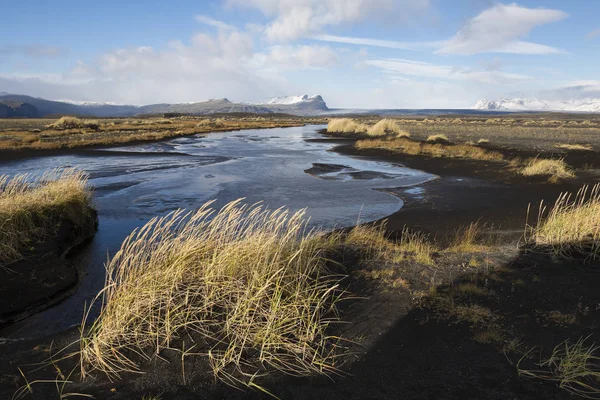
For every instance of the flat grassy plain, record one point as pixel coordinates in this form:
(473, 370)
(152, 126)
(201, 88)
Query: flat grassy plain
(41, 134)
(530, 145)
(535, 132)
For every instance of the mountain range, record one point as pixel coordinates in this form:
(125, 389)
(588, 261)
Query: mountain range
(532, 104)
(15, 105)
(295, 105)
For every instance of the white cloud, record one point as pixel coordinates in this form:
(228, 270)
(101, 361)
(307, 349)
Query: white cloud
(296, 57)
(500, 28)
(593, 34)
(398, 67)
(390, 44)
(293, 19)
(527, 48)
(213, 22)
(574, 90)
(405, 93)
(225, 63)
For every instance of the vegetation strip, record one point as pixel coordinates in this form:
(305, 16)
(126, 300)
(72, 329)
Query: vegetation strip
(33, 208)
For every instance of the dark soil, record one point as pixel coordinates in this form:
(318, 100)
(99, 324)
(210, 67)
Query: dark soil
(413, 341)
(44, 277)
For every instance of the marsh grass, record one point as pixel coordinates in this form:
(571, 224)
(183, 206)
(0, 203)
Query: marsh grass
(376, 245)
(438, 138)
(574, 366)
(119, 131)
(345, 125)
(568, 146)
(468, 239)
(555, 169)
(252, 286)
(411, 147)
(32, 209)
(570, 227)
(74, 123)
(385, 127)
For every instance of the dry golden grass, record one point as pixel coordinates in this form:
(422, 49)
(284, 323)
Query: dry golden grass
(373, 241)
(250, 284)
(556, 169)
(567, 146)
(571, 226)
(438, 138)
(472, 289)
(74, 123)
(575, 367)
(468, 239)
(492, 335)
(126, 131)
(32, 209)
(345, 125)
(433, 150)
(385, 127)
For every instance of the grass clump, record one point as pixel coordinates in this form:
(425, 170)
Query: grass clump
(374, 243)
(345, 125)
(571, 226)
(468, 239)
(556, 169)
(74, 123)
(574, 366)
(566, 146)
(439, 138)
(32, 209)
(250, 285)
(411, 147)
(385, 127)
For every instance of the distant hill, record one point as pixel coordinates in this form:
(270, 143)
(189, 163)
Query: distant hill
(11, 109)
(533, 104)
(304, 105)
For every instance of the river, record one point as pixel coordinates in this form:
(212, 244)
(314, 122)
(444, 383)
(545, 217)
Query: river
(290, 167)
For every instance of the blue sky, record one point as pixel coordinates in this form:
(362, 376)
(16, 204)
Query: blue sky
(356, 53)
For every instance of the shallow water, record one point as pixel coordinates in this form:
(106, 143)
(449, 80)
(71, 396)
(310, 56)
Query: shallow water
(279, 167)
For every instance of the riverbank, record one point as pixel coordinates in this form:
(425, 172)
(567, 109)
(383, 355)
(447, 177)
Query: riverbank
(470, 321)
(26, 137)
(42, 219)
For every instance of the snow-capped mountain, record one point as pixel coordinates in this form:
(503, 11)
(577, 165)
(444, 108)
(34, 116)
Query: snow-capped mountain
(296, 105)
(93, 103)
(289, 100)
(533, 104)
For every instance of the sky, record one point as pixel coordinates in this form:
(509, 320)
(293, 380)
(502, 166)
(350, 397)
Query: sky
(355, 53)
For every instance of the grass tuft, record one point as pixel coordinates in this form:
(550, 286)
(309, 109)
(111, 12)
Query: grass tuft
(567, 146)
(411, 147)
(387, 126)
(556, 169)
(345, 125)
(571, 226)
(32, 209)
(74, 123)
(251, 284)
(574, 366)
(439, 138)
(467, 239)
(374, 243)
